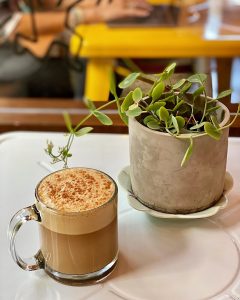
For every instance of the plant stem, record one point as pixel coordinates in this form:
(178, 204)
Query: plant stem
(92, 113)
(205, 106)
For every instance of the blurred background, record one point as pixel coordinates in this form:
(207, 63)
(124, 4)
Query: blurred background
(53, 50)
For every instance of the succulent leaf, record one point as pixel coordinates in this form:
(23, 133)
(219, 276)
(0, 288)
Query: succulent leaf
(104, 119)
(129, 80)
(157, 91)
(134, 112)
(137, 95)
(212, 131)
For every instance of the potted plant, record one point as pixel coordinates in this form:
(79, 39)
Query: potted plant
(178, 140)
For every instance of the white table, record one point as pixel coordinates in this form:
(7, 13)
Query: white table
(159, 258)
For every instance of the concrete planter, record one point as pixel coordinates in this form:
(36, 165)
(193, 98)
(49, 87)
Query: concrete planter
(162, 184)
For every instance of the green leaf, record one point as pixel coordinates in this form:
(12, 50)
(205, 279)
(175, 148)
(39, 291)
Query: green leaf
(176, 107)
(157, 91)
(170, 68)
(186, 87)
(224, 94)
(121, 114)
(184, 109)
(134, 113)
(148, 119)
(167, 72)
(68, 122)
(188, 153)
(83, 131)
(214, 121)
(163, 114)
(154, 125)
(197, 78)
(163, 76)
(155, 106)
(127, 102)
(90, 105)
(198, 91)
(175, 124)
(133, 106)
(212, 131)
(104, 119)
(212, 109)
(197, 126)
(170, 98)
(124, 118)
(113, 84)
(50, 147)
(152, 87)
(181, 121)
(179, 84)
(137, 95)
(129, 80)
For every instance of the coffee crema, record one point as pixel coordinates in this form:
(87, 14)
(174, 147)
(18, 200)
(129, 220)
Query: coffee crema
(75, 190)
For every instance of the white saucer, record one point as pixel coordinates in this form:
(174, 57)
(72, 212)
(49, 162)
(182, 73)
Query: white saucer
(125, 181)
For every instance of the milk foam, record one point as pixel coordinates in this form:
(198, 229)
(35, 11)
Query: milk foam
(76, 201)
(76, 189)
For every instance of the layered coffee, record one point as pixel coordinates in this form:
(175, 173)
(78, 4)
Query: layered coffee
(78, 229)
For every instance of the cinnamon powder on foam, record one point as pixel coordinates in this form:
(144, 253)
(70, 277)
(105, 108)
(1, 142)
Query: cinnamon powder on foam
(75, 190)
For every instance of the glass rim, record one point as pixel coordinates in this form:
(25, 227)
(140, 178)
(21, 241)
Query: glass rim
(59, 212)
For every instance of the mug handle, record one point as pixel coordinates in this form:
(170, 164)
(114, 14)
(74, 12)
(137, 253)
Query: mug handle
(22, 216)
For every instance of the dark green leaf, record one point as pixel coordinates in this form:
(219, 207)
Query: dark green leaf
(224, 94)
(212, 131)
(185, 87)
(137, 95)
(104, 119)
(170, 98)
(68, 122)
(188, 153)
(148, 119)
(183, 109)
(157, 91)
(83, 131)
(154, 125)
(127, 102)
(198, 91)
(155, 106)
(212, 109)
(178, 105)
(179, 84)
(134, 113)
(129, 80)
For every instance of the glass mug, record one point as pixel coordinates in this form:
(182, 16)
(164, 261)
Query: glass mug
(77, 212)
